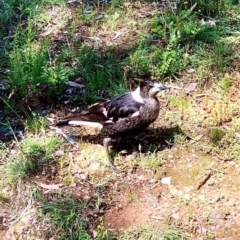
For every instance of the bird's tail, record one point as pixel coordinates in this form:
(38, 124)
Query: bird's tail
(86, 119)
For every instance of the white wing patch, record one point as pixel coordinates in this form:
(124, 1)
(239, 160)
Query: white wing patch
(135, 114)
(85, 123)
(105, 112)
(109, 121)
(136, 95)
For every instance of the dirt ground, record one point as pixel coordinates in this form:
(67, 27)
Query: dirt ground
(195, 191)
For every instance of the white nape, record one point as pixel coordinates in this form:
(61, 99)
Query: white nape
(85, 123)
(136, 95)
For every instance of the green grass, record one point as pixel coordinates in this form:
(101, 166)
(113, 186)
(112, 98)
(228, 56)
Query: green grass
(102, 73)
(35, 123)
(34, 64)
(30, 68)
(66, 214)
(34, 156)
(151, 161)
(163, 45)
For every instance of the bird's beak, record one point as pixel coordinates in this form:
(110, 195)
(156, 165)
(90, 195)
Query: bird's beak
(160, 86)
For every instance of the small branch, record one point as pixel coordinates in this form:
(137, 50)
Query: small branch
(207, 177)
(59, 131)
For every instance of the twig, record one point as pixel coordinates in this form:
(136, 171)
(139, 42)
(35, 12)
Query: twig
(157, 217)
(223, 158)
(207, 177)
(59, 131)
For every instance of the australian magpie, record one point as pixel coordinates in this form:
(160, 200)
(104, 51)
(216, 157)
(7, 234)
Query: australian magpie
(127, 114)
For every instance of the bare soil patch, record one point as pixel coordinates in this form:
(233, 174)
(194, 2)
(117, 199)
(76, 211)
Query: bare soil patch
(202, 197)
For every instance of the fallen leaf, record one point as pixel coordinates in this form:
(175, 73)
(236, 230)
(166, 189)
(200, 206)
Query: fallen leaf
(198, 137)
(142, 14)
(190, 87)
(117, 34)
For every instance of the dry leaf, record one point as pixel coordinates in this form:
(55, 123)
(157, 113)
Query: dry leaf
(117, 34)
(190, 87)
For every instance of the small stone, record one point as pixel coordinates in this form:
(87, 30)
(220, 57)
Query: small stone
(187, 196)
(166, 180)
(201, 197)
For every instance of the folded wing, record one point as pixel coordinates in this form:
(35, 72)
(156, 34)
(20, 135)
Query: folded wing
(101, 114)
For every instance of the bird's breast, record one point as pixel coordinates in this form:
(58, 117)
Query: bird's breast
(149, 110)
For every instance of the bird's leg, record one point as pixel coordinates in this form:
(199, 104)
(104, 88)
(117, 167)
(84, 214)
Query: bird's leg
(106, 143)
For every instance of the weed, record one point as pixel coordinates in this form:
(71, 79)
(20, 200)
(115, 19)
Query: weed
(180, 140)
(66, 214)
(226, 83)
(139, 61)
(86, 17)
(38, 154)
(155, 62)
(2, 198)
(35, 123)
(216, 134)
(164, 232)
(179, 102)
(36, 194)
(151, 161)
(103, 233)
(34, 156)
(15, 170)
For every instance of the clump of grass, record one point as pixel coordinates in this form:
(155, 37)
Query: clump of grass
(35, 123)
(38, 154)
(209, 8)
(9, 10)
(164, 232)
(34, 156)
(216, 134)
(151, 161)
(179, 102)
(226, 83)
(30, 67)
(67, 215)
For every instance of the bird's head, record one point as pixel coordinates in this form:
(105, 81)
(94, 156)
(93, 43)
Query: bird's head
(151, 88)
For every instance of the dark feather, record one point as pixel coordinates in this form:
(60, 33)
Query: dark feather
(122, 106)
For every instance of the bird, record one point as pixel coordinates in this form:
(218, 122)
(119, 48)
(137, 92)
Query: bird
(125, 115)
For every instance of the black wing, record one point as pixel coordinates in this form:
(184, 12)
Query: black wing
(107, 112)
(122, 106)
(94, 113)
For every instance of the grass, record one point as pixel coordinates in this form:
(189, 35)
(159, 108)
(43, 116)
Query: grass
(34, 156)
(66, 214)
(50, 42)
(165, 232)
(101, 72)
(151, 161)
